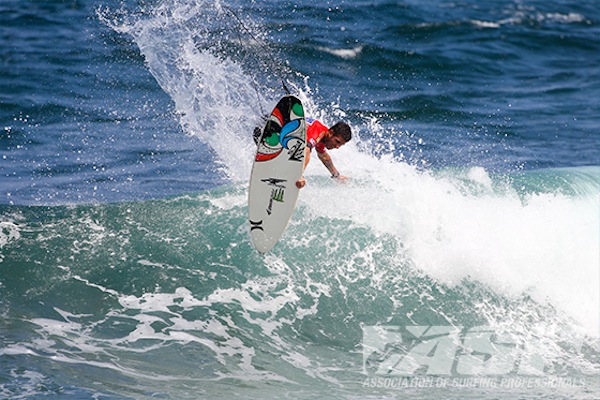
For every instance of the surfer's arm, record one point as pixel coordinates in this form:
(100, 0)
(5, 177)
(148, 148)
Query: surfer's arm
(328, 163)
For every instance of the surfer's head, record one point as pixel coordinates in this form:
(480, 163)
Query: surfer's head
(339, 134)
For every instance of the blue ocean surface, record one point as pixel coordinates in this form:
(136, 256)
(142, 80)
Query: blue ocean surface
(459, 261)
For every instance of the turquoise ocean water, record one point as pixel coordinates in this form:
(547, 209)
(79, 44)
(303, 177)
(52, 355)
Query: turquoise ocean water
(460, 261)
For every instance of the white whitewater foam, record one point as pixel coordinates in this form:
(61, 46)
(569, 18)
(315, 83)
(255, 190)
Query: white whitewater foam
(343, 53)
(545, 245)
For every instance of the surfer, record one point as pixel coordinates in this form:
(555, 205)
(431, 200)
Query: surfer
(282, 154)
(322, 138)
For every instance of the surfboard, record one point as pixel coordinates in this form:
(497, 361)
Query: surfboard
(272, 195)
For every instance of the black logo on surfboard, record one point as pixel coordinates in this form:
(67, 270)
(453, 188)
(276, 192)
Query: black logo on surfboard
(296, 152)
(256, 225)
(274, 182)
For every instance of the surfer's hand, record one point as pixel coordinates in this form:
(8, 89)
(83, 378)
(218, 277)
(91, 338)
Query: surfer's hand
(300, 183)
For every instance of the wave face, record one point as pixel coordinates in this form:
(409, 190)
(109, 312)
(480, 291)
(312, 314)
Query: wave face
(468, 228)
(170, 296)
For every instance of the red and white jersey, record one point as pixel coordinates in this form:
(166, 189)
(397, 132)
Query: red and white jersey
(315, 131)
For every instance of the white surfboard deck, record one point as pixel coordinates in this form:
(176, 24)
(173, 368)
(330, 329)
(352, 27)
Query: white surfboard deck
(278, 164)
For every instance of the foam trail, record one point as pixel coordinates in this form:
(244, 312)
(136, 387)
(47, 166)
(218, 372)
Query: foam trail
(458, 226)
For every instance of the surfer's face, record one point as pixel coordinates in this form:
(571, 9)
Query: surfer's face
(333, 142)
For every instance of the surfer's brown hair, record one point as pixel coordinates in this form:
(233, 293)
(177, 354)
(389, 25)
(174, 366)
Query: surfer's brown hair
(342, 130)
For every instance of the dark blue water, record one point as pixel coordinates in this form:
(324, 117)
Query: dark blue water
(500, 86)
(126, 270)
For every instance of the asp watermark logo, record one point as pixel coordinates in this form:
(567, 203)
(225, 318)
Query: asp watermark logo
(446, 351)
(450, 356)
